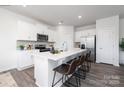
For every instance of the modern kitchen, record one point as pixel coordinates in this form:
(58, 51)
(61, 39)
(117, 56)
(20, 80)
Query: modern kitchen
(79, 48)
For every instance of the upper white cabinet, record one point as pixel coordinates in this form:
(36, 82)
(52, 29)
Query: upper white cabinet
(84, 33)
(51, 35)
(77, 36)
(41, 29)
(26, 31)
(89, 32)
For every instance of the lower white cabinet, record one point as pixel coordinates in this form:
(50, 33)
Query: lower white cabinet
(24, 59)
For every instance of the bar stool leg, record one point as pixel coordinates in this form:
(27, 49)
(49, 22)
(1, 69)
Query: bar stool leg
(79, 82)
(87, 66)
(79, 79)
(62, 78)
(90, 64)
(53, 79)
(76, 81)
(65, 78)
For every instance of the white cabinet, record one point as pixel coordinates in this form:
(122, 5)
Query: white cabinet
(84, 33)
(77, 36)
(26, 31)
(41, 29)
(92, 32)
(24, 59)
(51, 35)
(45, 31)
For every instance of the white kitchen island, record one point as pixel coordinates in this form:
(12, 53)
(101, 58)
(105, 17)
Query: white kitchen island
(44, 62)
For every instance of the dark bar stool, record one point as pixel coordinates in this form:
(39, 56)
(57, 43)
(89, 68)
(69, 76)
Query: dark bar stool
(66, 70)
(81, 68)
(80, 63)
(87, 62)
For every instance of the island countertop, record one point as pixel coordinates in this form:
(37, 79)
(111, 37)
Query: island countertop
(60, 55)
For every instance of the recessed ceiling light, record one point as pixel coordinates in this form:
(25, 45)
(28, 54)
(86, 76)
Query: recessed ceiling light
(61, 22)
(79, 17)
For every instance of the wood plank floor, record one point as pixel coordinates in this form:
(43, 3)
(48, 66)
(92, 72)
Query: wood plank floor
(24, 78)
(100, 75)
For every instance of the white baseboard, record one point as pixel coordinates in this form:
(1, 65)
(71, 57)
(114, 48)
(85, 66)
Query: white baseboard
(116, 65)
(109, 64)
(7, 69)
(23, 68)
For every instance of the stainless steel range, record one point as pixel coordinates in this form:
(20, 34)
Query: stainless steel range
(42, 48)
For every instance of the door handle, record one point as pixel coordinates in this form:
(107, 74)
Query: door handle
(100, 48)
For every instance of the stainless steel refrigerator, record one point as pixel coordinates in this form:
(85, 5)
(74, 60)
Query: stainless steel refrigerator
(89, 42)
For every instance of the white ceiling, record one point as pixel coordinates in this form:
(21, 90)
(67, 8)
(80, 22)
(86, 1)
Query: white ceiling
(52, 14)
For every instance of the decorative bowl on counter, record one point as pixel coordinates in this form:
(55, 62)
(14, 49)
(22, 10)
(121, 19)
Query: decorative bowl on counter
(55, 51)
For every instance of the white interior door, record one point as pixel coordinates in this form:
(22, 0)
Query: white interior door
(105, 46)
(107, 40)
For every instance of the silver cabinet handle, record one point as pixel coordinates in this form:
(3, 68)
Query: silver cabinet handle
(100, 48)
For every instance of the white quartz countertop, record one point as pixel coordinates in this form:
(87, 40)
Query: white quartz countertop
(59, 56)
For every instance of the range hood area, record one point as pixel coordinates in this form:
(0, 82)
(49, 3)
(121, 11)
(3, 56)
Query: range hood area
(42, 38)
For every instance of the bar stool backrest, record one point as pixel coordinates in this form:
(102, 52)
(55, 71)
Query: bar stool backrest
(81, 60)
(72, 67)
(88, 55)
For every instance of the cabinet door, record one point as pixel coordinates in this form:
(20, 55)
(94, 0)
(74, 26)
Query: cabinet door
(32, 32)
(51, 35)
(77, 36)
(45, 30)
(24, 60)
(54, 36)
(23, 31)
(84, 34)
(93, 31)
(39, 28)
(89, 32)
(26, 31)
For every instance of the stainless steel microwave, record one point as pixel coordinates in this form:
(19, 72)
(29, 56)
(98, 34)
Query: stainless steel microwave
(42, 38)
